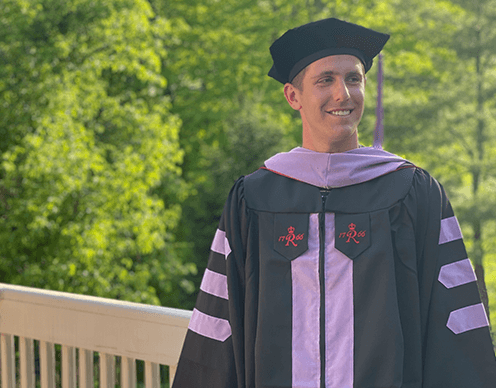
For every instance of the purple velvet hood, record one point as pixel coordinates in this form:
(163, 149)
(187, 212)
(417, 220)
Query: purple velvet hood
(334, 170)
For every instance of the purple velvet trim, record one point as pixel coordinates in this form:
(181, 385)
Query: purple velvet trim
(339, 336)
(220, 244)
(334, 170)
(306, 307)
(339, 313)
(450, 230)
(210, 327)
(457, 274)
(215, 284)
(467, 318)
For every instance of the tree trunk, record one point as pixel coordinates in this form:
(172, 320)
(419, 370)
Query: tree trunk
(477, 255)
(478, 250)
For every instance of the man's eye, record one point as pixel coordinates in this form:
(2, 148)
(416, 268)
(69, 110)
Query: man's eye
(354, 79)
(326, 80)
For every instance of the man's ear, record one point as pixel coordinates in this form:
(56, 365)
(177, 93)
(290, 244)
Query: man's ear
(292, 95)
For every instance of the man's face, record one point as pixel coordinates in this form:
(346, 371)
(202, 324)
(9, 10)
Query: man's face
(331, 103)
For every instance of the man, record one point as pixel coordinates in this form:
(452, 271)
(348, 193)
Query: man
(336, 265)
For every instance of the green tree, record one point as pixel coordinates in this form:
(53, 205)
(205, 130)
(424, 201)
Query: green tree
(86, 141)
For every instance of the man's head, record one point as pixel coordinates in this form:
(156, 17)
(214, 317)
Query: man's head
(323, 65)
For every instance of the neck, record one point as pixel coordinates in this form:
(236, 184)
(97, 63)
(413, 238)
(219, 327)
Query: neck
(330, 146)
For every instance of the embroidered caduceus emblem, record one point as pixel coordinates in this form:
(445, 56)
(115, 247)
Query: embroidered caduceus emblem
(291, 237)
(352, 234)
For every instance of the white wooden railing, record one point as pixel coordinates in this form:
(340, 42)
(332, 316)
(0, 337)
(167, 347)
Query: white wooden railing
(119, 332)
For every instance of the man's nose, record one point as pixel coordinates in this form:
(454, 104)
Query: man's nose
(342, 93)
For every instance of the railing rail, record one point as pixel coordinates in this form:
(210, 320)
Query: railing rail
(87, 324)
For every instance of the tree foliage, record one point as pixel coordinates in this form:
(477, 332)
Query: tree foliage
(86, 140)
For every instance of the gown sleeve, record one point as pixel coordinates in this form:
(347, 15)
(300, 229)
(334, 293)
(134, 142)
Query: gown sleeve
(457, 347)
(212, 354)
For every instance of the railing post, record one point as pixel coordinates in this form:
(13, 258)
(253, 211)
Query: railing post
(26, 355)
(86, 373)
(8, 361)
(152, 375)
(128, 372)
(172, 374)
(68, 367)
(47, 363)
(107, 371)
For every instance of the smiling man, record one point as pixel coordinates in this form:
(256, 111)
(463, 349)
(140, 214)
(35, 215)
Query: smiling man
(335, 265)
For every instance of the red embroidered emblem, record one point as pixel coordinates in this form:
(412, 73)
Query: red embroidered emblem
(352, 234)
(291, 237)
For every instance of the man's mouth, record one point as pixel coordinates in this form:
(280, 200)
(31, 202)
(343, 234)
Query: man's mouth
(340, 112)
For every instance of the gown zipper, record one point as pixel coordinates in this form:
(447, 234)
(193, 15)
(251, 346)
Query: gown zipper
(322, 236)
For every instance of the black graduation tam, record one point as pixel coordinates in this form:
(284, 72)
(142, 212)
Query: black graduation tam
(301, 46)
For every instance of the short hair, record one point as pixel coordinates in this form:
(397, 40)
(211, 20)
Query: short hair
(297, 81)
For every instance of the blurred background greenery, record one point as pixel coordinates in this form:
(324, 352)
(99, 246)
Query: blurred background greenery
(124, 123)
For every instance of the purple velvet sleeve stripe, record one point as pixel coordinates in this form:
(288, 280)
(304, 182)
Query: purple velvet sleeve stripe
(214, 328)
(450, 230)
(467, 318)
(457, 274)
(221, 244)
(215, 284)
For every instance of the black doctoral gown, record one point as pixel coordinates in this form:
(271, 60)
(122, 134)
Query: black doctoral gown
(340, 271)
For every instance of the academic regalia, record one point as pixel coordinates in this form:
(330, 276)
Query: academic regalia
(339, 270)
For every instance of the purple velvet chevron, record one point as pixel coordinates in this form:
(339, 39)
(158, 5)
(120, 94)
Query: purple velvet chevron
(220, 244)
(211, 327)
(457, 274)
(214, 283)
(467, 318)
(450, 230)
